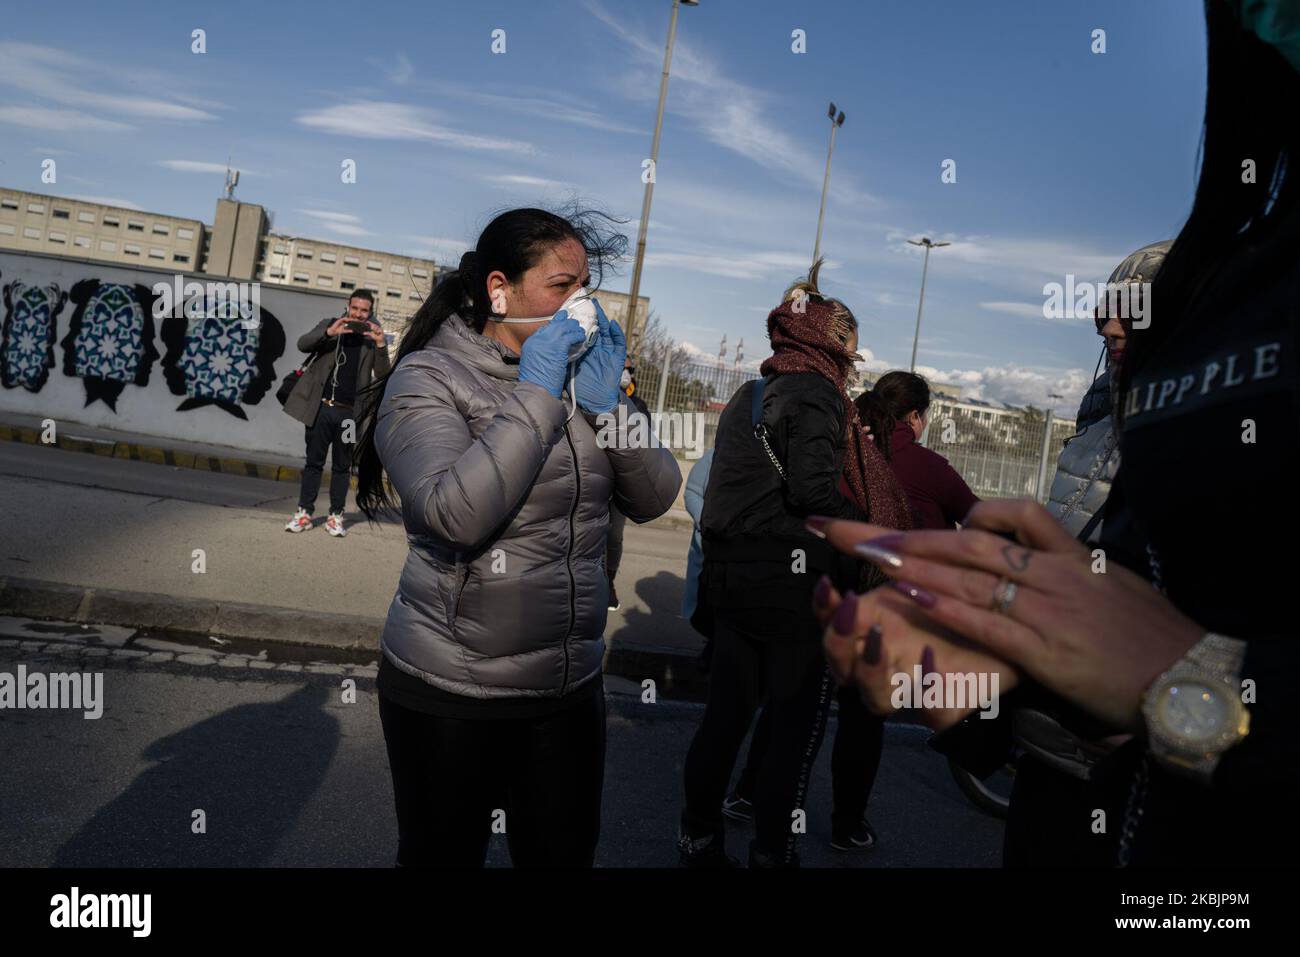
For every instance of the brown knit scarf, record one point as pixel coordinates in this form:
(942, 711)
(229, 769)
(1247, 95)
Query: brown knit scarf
(801, 342)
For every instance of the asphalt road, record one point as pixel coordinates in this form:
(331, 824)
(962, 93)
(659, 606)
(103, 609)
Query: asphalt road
(287, 774)
(258, 736)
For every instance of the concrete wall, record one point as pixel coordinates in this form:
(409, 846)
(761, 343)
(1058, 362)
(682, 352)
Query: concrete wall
(79, 344)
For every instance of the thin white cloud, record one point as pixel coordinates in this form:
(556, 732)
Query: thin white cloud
(369, 119)
(519, 179)
(731, 264)
(1023, 309)
(1012, 261)
(64, 121)
(330, 217)
(400, 70)
(61, 77)
(553, 110)
(200, 166)
(341, 224)
(347, 229)
(727, 112)
(439, 248)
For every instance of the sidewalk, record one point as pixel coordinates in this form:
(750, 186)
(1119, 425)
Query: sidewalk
(107, 540)
(73, 437)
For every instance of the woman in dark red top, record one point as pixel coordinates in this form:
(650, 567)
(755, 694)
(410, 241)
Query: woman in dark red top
(895, 409)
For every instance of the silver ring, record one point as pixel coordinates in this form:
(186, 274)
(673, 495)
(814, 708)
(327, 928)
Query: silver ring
(1003, 596)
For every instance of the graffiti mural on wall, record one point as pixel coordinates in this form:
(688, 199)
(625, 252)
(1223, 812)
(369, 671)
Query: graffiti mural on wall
(28, 333)
(215, 342)
(110, 338)
(216, 357)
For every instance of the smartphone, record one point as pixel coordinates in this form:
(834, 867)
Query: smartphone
(358, 327)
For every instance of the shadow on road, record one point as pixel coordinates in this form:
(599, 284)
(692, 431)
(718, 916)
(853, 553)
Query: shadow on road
(251, 770)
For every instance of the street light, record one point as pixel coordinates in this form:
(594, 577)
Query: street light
(923, 241)
(836, 123)
(650, 183)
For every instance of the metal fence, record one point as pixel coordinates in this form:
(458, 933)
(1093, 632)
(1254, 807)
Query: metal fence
(1001, 453)
(698, 389)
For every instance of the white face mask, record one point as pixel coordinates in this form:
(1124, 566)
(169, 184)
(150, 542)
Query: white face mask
(581, 307)
(626, 379)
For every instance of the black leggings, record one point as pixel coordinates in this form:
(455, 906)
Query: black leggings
(457, 781)
(855, 758)
(789, 674)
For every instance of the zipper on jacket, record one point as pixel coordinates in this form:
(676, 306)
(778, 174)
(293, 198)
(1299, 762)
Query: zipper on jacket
(568, 561)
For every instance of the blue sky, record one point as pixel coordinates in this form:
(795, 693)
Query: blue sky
(1066, 160)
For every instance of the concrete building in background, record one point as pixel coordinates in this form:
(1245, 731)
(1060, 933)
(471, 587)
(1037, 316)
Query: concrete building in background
(240, 244)
(32, 222)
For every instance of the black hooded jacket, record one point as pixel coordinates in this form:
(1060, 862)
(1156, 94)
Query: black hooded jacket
(757, 552)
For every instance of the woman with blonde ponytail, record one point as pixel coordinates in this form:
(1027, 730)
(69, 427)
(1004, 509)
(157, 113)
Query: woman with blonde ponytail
(789, 448)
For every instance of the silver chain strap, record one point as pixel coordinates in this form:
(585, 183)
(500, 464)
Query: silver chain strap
(1137, 794)
(1137, 797)
(760, 433)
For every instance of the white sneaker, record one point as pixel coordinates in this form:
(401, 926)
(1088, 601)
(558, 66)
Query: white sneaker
(301, 521)
(334, 525)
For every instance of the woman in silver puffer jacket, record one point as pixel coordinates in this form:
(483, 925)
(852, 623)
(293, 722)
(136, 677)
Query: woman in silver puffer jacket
(1090, 458)
(490, 680)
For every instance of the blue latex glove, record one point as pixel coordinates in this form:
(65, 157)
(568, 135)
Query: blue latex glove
(544, 360)
(601, 367)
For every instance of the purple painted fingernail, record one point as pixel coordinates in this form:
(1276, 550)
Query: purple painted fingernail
(846, 615)
(822, 593)
(881, 556)
(914, 592)
(892, 541)
(927, 661)
(871, 650)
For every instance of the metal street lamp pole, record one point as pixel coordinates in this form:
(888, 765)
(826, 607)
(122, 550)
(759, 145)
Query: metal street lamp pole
(836, 123)
(650, 182)
(924, 241)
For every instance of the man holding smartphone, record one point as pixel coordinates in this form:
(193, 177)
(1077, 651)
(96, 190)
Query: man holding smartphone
(347, 354)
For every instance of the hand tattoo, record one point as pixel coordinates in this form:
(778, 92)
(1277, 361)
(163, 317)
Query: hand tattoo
(1017, 557)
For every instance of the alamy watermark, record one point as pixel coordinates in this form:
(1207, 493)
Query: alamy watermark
(1118, 300)
(130, 911)
(672, 430)
(76, 691)
(192, 299)
(955, 690)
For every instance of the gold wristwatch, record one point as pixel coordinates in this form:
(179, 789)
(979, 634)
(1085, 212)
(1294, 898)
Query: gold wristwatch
(1194, 712)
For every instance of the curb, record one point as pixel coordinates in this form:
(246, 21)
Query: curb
(156, 455)
(673, 672)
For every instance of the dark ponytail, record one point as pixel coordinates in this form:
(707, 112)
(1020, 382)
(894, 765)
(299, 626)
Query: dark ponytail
(512, 243)
(889, 401)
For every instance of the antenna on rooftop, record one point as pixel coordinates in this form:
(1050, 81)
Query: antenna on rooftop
(232, 180)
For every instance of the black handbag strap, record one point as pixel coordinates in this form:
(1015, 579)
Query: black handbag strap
(1093, 522)
(756, 402)
(756, 419)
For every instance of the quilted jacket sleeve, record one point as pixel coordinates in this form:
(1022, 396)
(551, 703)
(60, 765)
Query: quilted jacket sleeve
(454, 487)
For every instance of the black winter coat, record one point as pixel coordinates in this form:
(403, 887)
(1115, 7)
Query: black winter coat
(758, 556)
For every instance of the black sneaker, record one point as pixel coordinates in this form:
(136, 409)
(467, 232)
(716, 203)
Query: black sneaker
(738, 808)
(859, 837)
(703, 852)
(613, 597)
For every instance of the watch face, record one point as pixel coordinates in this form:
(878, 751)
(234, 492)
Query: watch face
(1195, 713)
